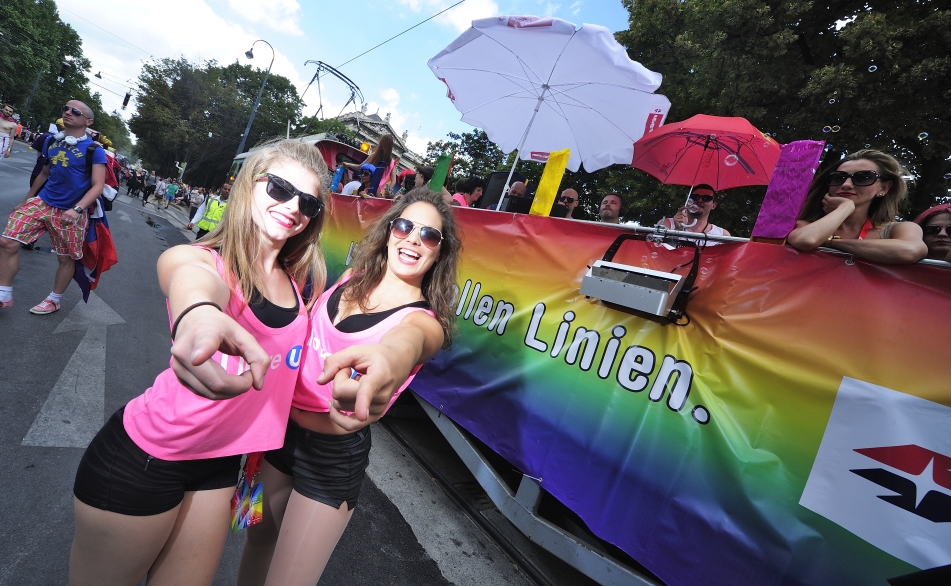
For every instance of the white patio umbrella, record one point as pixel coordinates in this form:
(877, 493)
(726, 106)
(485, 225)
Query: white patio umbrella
(543, 84)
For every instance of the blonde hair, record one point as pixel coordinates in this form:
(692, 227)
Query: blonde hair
(239, 240)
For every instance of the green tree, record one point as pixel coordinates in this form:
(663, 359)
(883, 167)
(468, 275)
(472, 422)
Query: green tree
(196, 113)
(854, 73)
(35, 45)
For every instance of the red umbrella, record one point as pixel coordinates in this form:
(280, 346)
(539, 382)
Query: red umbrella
(720, 151)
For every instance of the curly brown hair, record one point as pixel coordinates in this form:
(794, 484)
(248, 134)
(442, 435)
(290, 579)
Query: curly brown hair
(239, 240)
(883, 209)
(439, 282)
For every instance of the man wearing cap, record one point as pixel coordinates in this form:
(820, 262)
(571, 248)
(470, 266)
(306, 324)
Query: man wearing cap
(71, 182)
(695, 216)
(8, 129)
(360, 184)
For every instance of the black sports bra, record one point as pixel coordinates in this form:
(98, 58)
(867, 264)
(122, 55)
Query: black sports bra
(271, 315)
(359, 322)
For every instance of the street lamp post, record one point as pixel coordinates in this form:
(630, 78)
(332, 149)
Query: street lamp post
(250, 55)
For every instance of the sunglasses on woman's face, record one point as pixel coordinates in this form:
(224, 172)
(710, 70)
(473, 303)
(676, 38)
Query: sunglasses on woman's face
(935, 229)
(859, 178)
(281, 190)
(402, 228)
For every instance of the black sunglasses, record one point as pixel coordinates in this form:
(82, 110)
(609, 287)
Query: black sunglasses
(567, 199)
(702, 198)
(402, 228)
(935, 229)
(859, 178)
(280, 190)
(74, 111)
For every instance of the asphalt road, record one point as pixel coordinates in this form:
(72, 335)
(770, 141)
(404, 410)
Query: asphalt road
(64, 373)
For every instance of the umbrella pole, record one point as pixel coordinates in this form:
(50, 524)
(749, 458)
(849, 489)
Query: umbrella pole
(694, 183)
(518, 151)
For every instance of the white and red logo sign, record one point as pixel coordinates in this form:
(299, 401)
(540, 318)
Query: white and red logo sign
(654, 120)
(883, 472)
(539, 156)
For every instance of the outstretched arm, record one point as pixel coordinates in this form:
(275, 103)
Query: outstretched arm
(383, 369)
(905, 246)
(187, 276)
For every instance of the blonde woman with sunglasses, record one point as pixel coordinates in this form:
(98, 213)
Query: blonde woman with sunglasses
(153, 490)
(397, 297)
(851, 206)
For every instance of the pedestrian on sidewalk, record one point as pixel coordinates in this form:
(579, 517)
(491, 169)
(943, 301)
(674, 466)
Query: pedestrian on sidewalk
(210, 212)
(399, 295)
(195, 199)
(71, 182)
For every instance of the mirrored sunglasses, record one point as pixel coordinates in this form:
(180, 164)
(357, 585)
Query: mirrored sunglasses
(859, 178)
(281, 190)
(73, 111)
(429, 236)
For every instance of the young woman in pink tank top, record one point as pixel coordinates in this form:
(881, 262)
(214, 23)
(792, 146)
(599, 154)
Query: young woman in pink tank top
(153, 491)
(396, 300)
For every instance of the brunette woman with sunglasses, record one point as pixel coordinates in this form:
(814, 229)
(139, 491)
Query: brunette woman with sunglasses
(398, 297)
(851, 206)
(153, 490)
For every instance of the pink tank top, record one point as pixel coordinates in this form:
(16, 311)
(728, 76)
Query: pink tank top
(326, 339)
(172, 423)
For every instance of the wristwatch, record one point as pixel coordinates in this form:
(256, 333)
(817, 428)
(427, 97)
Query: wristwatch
(78, 209)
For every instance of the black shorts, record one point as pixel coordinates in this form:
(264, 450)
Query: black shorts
(117, 475)
(326, 468)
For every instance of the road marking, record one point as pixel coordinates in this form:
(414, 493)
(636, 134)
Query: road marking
(73, 413)
(124, 216)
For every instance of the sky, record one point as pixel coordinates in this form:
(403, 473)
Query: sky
(120, 35)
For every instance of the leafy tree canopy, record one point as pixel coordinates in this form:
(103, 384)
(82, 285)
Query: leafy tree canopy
(35, 44)
(196, 113)
(857, 74)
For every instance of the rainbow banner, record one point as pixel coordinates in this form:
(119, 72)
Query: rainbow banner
(795, 431)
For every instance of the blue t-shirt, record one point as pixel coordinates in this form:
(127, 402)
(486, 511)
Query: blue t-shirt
(68, 181)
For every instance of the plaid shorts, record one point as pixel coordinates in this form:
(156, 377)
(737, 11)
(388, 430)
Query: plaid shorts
(36, 217)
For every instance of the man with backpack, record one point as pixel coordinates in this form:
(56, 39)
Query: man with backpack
(71, 182)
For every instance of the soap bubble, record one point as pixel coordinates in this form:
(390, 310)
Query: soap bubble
(748, 202)
(709, 261)
(828, 148)
(832, 100)
(653, 255)
(826, 129)
(947, 176)
(704, 271)
(743, 219)
(836, 129)
(643, 259)
(923, 136)
(872, 68)
(731, 160)
(867, 145)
